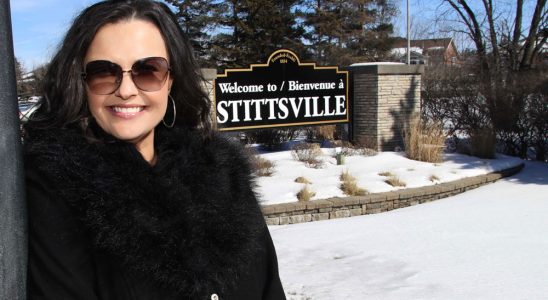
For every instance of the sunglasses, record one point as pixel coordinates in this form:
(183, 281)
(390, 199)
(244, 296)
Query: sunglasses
(103, 77)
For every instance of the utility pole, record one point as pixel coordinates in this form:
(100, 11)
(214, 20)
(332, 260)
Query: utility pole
(13, 223)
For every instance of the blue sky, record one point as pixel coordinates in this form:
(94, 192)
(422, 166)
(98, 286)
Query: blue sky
(38, 26)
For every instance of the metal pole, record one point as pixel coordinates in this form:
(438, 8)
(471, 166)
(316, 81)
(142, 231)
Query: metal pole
(408, 36)
(13, 223)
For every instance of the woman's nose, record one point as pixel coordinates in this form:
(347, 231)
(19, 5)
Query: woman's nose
(127, 87)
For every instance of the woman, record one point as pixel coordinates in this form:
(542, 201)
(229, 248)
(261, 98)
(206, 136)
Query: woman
(130, 194)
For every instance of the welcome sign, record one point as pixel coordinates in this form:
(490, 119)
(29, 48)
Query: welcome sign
(282, 92)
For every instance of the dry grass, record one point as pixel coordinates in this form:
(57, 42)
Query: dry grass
(326, 131)
(302, 180)
(349, 185)
(308, 153)
(321, 133)
(424, 141)
(434, 178)
(386, 174)
(345, 175)
(305, 194)
(395, 181)
(482, 143)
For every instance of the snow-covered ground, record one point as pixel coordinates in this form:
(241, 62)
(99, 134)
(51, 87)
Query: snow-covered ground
(487, 243)
(281, 186)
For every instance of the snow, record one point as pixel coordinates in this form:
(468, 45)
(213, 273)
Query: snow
(487, 243)
(379, 63)
(436, 48)
(403, 50)
(281, 186)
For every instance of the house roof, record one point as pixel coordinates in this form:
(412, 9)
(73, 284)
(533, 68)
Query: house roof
(427, 45)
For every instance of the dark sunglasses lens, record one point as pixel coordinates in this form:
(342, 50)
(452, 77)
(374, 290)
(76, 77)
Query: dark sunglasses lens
(150, 74)
(103, 77)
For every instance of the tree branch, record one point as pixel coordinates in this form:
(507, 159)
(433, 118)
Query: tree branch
(529, 47)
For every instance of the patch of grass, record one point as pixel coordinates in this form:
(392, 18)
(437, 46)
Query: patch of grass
(305, 194)
(385, 174)
(395, 181)
(434, 178)
(302, 180)
(349, 185)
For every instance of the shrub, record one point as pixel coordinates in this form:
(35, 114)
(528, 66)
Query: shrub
(349, 149)
(302, 180)
(349, 185)
(386, 174)
(512, 103)
(308, 153)
(305, 194)
(424, 141)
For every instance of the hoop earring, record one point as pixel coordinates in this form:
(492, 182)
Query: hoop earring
(174, 113)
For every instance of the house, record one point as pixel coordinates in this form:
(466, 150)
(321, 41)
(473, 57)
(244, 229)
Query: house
(430, 52)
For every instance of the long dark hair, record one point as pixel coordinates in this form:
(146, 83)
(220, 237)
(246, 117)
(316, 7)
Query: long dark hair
(64, 101)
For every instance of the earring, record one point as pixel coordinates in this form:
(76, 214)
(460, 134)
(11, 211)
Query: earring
(174, 113)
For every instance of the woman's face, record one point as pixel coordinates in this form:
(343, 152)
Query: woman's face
(129, 113)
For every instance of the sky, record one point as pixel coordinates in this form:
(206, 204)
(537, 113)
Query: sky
(39, 25)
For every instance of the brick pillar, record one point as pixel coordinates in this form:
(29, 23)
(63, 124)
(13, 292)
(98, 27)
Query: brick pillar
(385, 96)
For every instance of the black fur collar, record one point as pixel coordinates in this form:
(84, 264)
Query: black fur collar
(191, 221)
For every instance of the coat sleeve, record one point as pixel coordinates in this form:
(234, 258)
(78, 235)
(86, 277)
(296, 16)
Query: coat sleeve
(60, 264)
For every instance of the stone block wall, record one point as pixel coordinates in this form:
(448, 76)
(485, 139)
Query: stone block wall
(385, 97)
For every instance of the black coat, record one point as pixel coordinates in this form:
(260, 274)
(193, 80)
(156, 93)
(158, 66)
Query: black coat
(104, 224)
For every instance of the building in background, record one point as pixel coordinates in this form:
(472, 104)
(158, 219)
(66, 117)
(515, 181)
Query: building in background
(428, 52)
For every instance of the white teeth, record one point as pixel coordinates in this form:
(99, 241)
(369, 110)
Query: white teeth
(128, 110)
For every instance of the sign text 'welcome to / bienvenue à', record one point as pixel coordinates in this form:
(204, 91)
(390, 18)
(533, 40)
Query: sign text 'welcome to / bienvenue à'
(282, 92)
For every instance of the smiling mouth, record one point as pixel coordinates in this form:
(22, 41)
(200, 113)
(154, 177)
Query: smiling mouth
(127, 110)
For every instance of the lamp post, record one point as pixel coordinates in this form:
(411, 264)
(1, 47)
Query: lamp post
(13, 232)
(408, 36)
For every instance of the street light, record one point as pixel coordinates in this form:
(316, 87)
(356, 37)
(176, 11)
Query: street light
(408, 36)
